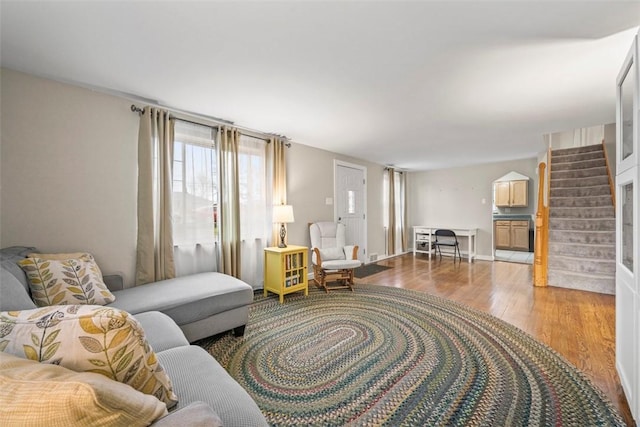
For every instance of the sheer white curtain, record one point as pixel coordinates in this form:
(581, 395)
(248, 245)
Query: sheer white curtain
(255, 207)
(195, 199)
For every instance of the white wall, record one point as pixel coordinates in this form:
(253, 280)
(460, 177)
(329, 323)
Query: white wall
(577, 137)
(453, 197)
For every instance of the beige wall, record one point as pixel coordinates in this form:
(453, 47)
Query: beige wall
(68, 170)
(453, 197)
(310, 181)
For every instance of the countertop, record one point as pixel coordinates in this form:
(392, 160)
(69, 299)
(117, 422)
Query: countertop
(497, 217)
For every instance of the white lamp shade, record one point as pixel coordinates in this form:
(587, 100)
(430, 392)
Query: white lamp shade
(283, 214)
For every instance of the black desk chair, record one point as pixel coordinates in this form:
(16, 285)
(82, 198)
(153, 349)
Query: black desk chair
(447, 238)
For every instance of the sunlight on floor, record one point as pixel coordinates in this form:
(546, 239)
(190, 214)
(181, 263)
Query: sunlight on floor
(514, 256)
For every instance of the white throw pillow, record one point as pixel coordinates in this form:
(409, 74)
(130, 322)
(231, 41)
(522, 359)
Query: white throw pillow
(331, 254)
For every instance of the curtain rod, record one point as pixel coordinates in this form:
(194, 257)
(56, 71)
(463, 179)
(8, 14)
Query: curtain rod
(217, 122)
(394, 169)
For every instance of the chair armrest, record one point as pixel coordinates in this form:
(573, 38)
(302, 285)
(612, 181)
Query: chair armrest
(318, 260)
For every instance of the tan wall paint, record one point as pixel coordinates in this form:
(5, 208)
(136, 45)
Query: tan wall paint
(453, 197)
(68, 173)
(68, 170)
(310, 181)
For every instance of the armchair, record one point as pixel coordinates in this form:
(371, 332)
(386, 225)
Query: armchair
(331, 258)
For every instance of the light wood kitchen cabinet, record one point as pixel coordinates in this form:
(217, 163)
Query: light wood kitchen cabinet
(520, 235)
(511, 193)
(503, 234)
(512, 235)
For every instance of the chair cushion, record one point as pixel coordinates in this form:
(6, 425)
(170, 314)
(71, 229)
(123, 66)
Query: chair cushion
(327, 234)
(340, 264)
(330, 254)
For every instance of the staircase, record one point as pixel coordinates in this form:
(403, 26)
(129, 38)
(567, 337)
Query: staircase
(581, 221)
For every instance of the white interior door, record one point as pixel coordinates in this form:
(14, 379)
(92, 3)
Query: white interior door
(627, 235)
(350, 207)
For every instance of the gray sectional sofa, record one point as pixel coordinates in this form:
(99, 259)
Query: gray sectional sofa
(173, 313)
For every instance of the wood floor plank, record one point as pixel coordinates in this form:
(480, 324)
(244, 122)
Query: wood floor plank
(579, 325)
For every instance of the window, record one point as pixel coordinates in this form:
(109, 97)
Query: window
(627, 226)
(195, 191)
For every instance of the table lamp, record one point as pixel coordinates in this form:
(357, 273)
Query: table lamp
(282, 214)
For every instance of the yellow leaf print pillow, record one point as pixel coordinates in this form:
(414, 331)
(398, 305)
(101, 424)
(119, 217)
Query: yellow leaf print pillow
(66, 281)
(88, 338)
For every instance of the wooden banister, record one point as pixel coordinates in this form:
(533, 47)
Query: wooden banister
(611, 186)
(540, 258)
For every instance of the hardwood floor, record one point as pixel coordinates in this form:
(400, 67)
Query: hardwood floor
(578, 325)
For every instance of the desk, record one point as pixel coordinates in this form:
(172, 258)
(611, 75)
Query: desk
(422, 239)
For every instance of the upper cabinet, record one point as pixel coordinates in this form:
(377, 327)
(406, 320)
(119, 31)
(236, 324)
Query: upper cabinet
(511, 193)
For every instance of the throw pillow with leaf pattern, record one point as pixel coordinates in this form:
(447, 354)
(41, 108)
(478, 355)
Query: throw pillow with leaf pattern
(67, 281)
(88, 338)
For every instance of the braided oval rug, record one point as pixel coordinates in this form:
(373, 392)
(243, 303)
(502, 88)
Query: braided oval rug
(388, 356)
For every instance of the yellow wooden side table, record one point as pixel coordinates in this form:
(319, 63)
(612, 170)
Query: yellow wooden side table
(285, 270)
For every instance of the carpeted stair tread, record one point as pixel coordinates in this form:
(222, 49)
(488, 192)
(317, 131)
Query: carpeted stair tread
(589, 155)
(603, 284)
(576, 166)
(582, 265)
(586, 191)
(581, 221)
(589, 213)
(579, 173)
(591, 237)
(580, 182)
(577, 150)
(582, 224)
(582, 250)
(580, 202)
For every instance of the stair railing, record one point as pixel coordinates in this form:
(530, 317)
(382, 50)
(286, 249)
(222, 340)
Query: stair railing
(541, 248)
(611, 186)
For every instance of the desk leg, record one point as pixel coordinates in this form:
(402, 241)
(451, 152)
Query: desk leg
(429, 246)
(474, 246)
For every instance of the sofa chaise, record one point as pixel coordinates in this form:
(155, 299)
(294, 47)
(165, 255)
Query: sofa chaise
(172, 314)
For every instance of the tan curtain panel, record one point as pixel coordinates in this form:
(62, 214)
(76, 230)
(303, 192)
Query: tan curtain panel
(403, 217)
(229, 212)
(154, 256)
(278, 159)
(391, 232)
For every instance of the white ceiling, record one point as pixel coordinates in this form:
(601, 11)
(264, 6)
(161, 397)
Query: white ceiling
(418, 85)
